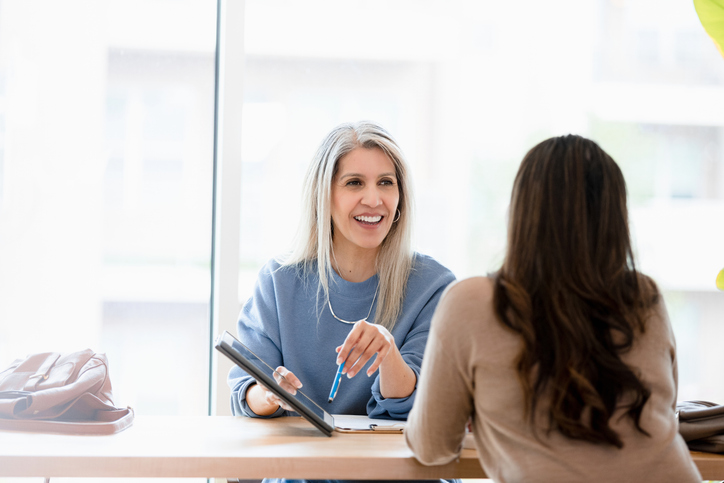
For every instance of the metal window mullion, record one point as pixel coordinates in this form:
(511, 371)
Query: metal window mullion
(227, 192)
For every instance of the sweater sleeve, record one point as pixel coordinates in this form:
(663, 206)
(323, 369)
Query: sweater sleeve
(258, 329)
(423, 297)
(664, 314)
(436, 426)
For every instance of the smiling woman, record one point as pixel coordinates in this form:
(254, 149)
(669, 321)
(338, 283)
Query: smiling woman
(353, 253)
(316, 243)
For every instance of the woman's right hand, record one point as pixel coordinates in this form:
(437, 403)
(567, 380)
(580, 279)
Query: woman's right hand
(264, 402)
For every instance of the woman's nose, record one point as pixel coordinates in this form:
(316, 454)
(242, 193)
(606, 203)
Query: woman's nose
(371, 197)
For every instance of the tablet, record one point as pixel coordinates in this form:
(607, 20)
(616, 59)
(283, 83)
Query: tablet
(230, 346)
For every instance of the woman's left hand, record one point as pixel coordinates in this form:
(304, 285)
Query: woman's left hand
(364, 341)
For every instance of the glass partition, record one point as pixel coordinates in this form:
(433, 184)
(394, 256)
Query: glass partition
(106, 163)
(467, 88)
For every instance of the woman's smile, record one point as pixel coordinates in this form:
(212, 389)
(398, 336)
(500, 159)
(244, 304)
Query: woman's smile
(370, 221)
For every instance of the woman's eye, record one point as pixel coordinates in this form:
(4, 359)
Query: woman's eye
(387, 182)
(353, 182)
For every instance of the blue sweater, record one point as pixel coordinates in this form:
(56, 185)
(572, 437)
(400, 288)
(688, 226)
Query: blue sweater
(286, 324)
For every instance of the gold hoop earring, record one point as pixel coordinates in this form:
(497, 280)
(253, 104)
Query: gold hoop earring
(397, 218)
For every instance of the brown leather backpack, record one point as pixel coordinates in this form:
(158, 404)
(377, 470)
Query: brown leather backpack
(701, 423)
(56, 393)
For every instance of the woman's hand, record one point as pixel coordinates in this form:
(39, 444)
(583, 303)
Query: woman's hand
(264, 402)
(364, 341)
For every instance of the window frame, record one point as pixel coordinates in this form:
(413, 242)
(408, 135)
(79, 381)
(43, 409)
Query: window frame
(226, 206)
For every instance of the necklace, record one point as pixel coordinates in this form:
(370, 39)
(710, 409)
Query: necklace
(347, 321)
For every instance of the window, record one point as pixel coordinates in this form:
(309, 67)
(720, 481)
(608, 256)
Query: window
(106, 166)
(467, 88)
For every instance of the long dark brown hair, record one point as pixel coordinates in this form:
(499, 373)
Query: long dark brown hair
(569, 287)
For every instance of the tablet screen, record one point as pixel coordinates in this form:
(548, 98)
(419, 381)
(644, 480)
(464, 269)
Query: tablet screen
(264, 374)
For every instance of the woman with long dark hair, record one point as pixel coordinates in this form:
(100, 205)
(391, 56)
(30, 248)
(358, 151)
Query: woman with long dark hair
(564, 360)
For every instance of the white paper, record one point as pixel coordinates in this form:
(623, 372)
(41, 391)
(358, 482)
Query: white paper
(363, 423)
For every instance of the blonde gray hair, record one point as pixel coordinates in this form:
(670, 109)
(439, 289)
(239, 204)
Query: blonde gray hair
(314, 238)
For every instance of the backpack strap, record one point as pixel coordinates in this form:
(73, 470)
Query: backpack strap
(41, 373)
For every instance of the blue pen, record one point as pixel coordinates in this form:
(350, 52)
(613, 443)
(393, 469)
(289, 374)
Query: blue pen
(335, 386)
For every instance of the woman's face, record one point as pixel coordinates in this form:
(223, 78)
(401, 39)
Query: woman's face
(365, 195)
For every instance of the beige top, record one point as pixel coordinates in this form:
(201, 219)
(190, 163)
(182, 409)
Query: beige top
(469, 370)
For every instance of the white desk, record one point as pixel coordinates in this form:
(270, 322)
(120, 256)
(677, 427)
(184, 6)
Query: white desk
(235, 447)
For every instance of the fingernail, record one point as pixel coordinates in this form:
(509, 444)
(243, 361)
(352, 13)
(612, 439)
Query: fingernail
(350, 375)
